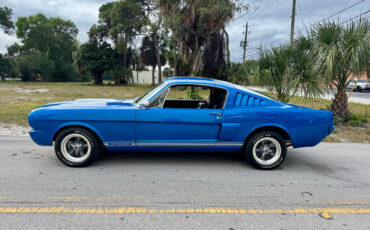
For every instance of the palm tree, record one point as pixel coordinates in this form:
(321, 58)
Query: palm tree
(274, 70)
(193, 22)
(304, 79)
(340, 54)
(288, 70)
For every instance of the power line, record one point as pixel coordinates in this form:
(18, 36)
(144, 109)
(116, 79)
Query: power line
(252, 48)
(273, 8)
(246, 31)
(341, 11)
(300, 12)
(240, 16)
(350, 19)
(266, 7)
(277, 40)
(344, 7)
(280, 39)
(311, 5)
(347, 8)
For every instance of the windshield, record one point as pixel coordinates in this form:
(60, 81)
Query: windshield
(150, 94)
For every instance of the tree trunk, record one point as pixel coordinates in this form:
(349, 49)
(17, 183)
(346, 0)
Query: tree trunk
(196, 58)
(158, 54)
(117, 80)
(98, 79)
(196, 63)
(124, 58)
(339, 106)
(153, 78)
(124, 62)
(227, 45)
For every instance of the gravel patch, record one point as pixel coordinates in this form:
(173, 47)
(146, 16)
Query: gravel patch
(13, 130)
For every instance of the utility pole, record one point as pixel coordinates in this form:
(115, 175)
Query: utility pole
(245, 41)
(292, 23)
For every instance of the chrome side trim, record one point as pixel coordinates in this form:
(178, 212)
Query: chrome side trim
(171, 144)
(166, 144)
(119, 144)
(229, 144)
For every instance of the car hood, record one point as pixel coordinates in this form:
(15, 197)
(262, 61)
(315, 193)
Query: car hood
(89, 103)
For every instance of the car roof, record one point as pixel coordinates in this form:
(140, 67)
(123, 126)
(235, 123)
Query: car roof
(212, 82)
(199, 80)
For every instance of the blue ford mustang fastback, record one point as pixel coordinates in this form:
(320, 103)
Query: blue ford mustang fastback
(181, 114)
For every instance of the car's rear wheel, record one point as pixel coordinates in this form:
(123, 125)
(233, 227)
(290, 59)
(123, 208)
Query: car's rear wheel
(76, 147)
(358, 89)
(266, 150)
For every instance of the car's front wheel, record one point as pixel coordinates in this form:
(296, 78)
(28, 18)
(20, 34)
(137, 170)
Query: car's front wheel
(266, 150)
(76, 147)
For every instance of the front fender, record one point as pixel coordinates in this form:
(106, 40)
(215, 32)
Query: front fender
(80, 124)
(46, 137)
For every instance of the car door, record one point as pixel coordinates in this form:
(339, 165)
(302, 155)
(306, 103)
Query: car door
(158, 128)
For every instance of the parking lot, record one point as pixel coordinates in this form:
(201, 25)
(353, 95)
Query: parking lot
(324, 187)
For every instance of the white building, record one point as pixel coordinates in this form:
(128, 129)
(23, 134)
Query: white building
(146, 76)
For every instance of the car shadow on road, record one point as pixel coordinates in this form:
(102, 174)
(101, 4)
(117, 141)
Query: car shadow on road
(295, 161)
(171, 157)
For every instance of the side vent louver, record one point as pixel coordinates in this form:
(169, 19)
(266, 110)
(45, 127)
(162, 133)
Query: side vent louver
(244, 99)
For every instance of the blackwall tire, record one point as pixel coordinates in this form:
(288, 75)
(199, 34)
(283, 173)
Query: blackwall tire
(266, 150)
(77, 147)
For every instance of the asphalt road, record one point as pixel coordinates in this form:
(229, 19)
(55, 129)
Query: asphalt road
(325, 187)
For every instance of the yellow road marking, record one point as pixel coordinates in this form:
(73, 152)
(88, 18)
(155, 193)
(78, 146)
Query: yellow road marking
(325, 215)
(324, 212)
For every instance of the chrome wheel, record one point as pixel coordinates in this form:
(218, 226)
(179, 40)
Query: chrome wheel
(75, 147)
(266, 151)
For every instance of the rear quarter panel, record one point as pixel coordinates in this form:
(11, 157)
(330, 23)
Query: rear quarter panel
(306, 127)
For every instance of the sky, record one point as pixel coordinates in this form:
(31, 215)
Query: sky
(268, 20)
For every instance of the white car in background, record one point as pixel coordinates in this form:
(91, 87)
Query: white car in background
(361, 85)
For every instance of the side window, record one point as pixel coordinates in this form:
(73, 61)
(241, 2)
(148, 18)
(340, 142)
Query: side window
(195, 97)
(188, 92)
(158, 102)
